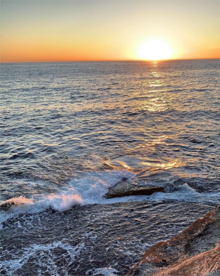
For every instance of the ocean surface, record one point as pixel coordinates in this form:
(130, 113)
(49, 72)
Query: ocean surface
(68, 131)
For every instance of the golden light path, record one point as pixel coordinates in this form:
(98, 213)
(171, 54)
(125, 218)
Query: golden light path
(155, 50)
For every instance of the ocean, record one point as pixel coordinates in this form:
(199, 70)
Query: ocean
(69, 131)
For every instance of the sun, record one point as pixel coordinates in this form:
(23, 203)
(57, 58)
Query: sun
(155, 50)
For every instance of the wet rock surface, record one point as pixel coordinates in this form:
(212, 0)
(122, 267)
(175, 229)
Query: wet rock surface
(6, 206)
(195, 251)
(124, 188)
(92, 239)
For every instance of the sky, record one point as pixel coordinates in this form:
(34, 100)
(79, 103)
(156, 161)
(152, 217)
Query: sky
(93, 30)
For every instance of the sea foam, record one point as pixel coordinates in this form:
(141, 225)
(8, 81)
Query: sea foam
(91, 188)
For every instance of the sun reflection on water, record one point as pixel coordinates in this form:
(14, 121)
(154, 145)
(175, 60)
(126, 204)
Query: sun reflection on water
(164, 166)
(155, 91)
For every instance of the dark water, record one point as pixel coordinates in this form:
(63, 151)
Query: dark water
(71, 130)
(90, 240)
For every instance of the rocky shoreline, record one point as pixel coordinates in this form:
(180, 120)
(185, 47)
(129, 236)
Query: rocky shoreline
(92, 239)
(195, 251)
(112, 238)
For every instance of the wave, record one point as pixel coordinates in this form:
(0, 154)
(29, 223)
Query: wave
(91, 188)
(185, 193)
(87, 189)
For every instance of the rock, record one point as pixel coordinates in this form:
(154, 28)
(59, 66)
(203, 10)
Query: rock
(6, 206)
(195, 251)
(124, 188)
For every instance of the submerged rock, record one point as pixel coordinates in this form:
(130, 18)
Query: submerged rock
(195, 251)
(124, 188)
(6, 205)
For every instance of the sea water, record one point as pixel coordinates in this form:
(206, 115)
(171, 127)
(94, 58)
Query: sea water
(69, 131)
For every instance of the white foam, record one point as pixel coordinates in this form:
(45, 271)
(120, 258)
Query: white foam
(90, 188)
(19, 200)
(46, 255)
(105, 271)
(187, 194)
(87, 189)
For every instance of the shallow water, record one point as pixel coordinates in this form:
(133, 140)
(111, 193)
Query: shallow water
(71, 130)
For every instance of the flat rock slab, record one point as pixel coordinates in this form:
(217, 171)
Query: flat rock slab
(195, 251)
(124, 188)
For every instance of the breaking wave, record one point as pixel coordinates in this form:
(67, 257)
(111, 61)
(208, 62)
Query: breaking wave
(91, 188)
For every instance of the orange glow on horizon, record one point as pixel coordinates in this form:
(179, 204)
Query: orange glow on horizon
(50, 52)
(58, 52)
(41, 31)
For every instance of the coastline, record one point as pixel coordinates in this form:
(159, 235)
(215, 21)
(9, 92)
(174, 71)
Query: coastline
(92, 239)
(195, 251)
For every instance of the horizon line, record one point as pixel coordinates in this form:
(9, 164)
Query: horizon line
(117, 60)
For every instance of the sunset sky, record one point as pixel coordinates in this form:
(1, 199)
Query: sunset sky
(67, 30)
